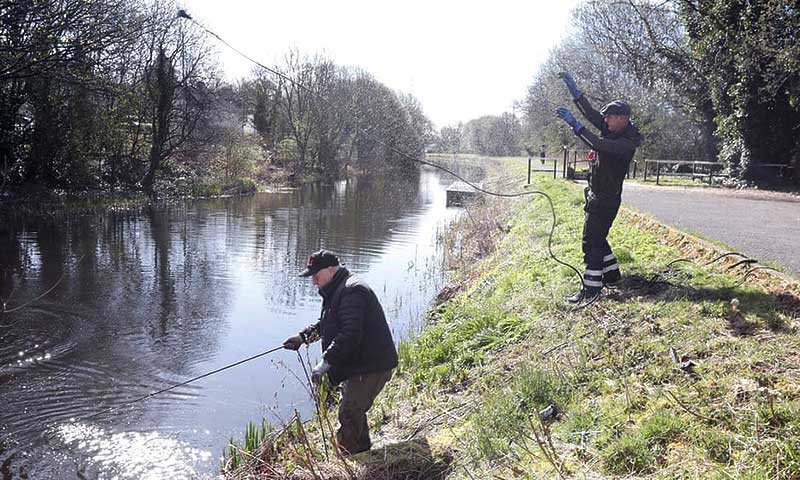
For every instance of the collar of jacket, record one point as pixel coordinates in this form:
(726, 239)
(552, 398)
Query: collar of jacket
(629, 131)
(327, 291)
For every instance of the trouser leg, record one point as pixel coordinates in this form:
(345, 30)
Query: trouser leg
(597, 254)
(358, 394)
(611, 272)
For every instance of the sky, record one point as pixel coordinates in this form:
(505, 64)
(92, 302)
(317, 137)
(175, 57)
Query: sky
(461, 59)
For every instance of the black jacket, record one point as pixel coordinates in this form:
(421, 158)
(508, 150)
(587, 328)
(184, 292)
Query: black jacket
(614, 154)
(355, 336)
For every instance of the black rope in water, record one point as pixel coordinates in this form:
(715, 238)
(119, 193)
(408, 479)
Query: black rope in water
(163, 390)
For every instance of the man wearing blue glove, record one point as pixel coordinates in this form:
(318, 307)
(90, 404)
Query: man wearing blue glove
(357, 345)
(614, 149)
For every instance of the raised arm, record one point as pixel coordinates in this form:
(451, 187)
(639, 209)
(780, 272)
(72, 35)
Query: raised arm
(594, 117)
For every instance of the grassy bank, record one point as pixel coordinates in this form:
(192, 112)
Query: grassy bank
(686, 370)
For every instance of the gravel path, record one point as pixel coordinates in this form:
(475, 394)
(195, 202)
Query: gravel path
(762, 225)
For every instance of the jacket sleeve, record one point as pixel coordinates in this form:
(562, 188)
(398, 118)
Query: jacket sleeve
(352, 311)
(616, 146)
(594, 117)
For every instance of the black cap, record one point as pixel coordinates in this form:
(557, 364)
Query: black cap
(617, 107)
(319, 260)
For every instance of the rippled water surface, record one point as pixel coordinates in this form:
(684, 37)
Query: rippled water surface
(149, 299)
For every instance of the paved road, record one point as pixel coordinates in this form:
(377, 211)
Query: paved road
(762, 225)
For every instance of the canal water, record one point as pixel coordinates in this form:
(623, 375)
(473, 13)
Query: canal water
(136, 301)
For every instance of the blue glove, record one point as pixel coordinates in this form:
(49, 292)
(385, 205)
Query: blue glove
(567, 116)
(571, 85)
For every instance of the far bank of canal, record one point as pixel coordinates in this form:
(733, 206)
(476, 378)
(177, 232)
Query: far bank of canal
(148, 299)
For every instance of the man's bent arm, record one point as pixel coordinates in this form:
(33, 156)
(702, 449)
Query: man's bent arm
(616, 146)
(594, 117)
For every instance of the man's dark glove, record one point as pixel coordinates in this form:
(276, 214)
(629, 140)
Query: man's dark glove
(310, 334)
(567, 116)
(293, 343)
(571, 85)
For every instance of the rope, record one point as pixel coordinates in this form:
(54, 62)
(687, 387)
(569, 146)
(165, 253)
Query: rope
(316, 399)
(163, 390)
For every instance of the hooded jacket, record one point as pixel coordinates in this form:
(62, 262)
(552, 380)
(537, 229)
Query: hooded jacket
(355, 336)
(614, 154)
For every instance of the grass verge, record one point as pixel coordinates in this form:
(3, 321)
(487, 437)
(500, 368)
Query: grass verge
(689, 369)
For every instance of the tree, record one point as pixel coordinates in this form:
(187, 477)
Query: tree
(332, 116)
(386, 134)
(177, 74)
(52, 56)
(633, 51)
(494, 135)
(647, 40)
(266, 117)
(419, 131)
(297, 104)
(451, 139)
(754, 77)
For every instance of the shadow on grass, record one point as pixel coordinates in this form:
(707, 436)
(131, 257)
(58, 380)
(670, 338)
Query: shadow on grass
(403, 461)
(771, 308)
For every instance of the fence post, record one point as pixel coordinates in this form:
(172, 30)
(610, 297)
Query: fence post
(529, 169)
(575, 161)
(644, 177)
(565, 161)
(658, 172)
(555, 167)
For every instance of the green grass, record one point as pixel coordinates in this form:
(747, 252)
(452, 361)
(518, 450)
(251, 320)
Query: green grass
(626, 404)
(505, 413)
(239, 453)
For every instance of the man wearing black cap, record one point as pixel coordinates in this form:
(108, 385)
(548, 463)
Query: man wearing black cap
(615, 148)
(357, 345)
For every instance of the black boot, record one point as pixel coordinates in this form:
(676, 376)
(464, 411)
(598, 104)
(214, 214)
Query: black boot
(611, 274)
(585, 294)
(612, 278)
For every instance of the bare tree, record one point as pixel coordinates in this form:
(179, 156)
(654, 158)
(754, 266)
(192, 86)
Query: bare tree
(176, 82)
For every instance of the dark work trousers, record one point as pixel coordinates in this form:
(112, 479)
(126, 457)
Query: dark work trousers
(358, 393)
(601, 265)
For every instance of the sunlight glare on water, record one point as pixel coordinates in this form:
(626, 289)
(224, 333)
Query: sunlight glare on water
(134, 455)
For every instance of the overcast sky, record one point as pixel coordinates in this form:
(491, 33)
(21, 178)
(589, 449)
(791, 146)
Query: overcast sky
(461, 59)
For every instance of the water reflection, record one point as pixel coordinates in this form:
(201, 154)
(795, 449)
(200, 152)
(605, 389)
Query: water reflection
(147, 299)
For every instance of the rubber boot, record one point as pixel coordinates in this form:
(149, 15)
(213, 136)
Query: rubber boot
(612, 278)
(584, 294)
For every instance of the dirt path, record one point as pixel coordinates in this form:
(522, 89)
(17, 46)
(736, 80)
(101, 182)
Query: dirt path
(763, 225)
